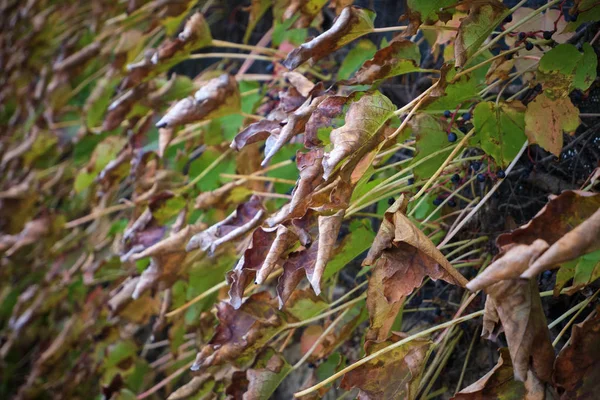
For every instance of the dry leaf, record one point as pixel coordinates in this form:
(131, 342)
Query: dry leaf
(246, 217)
(576, 369)
(264, 253)
(519, 307)
(329, 227)
(583, 239)
(219, 97)
(352, 23)
(394, 375)
(256, 132)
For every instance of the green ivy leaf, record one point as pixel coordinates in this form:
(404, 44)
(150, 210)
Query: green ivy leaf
(432, 10)
(430, 137)
(363, 50)
(500, 129)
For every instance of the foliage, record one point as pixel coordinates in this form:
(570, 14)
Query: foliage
(149, 250)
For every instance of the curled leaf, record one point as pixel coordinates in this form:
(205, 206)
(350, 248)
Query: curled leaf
(256, 132)
(352, 23)
(219, 97)
(264, 253)
(246, 217)
(400, 57)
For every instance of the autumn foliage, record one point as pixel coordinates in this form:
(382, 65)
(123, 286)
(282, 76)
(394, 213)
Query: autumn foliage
(282, 223)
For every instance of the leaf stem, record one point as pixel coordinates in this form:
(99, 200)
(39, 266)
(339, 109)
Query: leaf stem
(325, 314)
(423, 27)
(240, 46)
(387, 349)
(231, 55)
(206, 170)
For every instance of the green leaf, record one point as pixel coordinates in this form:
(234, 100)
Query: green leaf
(587, 11)
(364, 50)
(431, 10)
(430, 138)
(500, 129)
(355, 243)
(104, 152)
(583, 270)
(266, 375)
(585, 72)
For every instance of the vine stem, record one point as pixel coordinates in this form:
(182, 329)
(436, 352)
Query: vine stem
(206, 170)
(387, 350)
(98, 214)
(240, 46)
(320, 339)
(231, 55)
(423, 27)
(489, 194)
(165, 381)
(464, 367)
(441, 168)
(572, 320)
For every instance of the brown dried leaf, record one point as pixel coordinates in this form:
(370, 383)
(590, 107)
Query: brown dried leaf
(562, 213)
(295, 125)
(583, 239)
(510, 265)
(33, 232)
(577, 369)
(400, 57)
(394, 375)
(397, 228)
(352, 23)
(519, 307)
(219, 97)
(246, 217)
(264, 253)
(299, 264)
(329, 227)
(78, 59)
(167, 260)
(256, 132)
(499, 384)
(195, 35)
(240, 333)
(301, 83)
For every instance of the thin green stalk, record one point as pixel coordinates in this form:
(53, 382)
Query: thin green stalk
(387, 349)
(467, 357)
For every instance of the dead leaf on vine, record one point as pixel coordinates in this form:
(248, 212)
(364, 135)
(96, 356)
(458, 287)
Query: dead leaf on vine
(393, 375)
(32, 232)
(240, 332)
(499, 383)
(546, 120)
(577, 369)
(256, 132)
(583, 239)
(401, 57)
(166, 259)
(265, 252)
(301, 83)
(352, 23)
(195, 35)
(329, 227)
(518, 305)
(219, 97)
(246, 217)
(79, 58)
(402, 257)
(299, 264)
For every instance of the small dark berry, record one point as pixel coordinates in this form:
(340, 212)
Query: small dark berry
(452, 137)
(391, 201)
(475, 165)
(481, 177)
(522, 35)
(466, 116)
(437, 201)
(293, 158)
(508, 19)
(411, 181)
(456, 178)
(451, 203)
(463, 129)
(510, 56)
(269, 68)
(528, 46)
(547, 274)
(501, 174)
(548, 35)
(447, 114)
